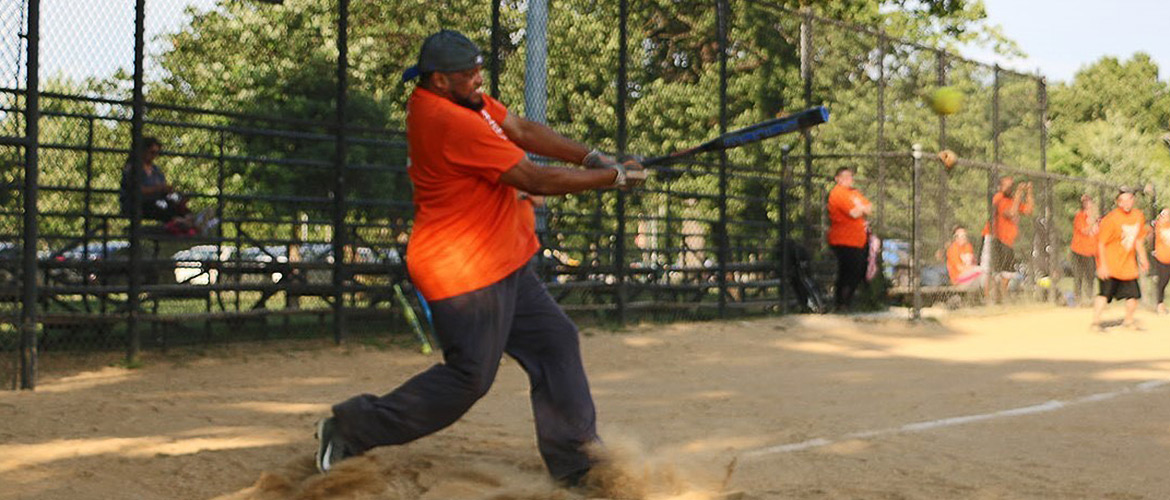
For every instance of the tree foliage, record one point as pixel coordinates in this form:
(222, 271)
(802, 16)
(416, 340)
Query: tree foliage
(1109, 121)
(252, 58)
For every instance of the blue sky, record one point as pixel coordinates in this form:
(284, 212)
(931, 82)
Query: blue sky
(1061, 36)
(93, 38)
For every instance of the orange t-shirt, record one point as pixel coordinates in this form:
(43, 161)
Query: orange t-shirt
(1162, 242)
(960, 256)
(470, 230)
(1120, 233)
(1006, 229)
(1083, 241)
(845, 231)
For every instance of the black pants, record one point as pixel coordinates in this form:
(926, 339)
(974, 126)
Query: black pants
(1084, 274)
(851, 265)
(516, 316)
(1003, 257)
(1162, 271)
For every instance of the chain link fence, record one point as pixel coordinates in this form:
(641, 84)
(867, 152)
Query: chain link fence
(14, 27)
(279, 123)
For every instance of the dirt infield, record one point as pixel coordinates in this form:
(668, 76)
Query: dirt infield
(1020, 403)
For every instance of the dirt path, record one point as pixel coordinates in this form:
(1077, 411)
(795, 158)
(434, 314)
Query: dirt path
(1018, 404)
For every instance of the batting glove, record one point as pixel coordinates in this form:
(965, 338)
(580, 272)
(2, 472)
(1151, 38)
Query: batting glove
(631, 174)
(598, 159)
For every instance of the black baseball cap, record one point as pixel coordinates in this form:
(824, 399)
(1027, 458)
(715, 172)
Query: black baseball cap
(445, 51)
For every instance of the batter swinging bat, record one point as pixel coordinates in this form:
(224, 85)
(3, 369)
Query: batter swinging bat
(755, 133)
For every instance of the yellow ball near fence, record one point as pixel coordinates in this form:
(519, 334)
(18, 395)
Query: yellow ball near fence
(945, 101)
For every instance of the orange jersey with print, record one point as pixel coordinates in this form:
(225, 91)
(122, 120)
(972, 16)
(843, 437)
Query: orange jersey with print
(1120, 233)
(470, 230)
(1083, 241)
(1162, 242)
(960, 256)
(1006, 229)
(846, 231)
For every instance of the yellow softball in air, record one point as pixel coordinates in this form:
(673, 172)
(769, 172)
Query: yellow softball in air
(945, 100)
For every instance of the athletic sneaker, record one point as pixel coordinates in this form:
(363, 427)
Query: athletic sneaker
(330, 447)
(575, 480)
(1133, 326)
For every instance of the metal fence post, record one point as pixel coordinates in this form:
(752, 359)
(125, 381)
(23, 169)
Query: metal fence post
(993, 175)
(220, 177)
(339, 207)
(806, 76)
(995, 86)
(944, 174)
(494, 62)
(1049, 250)
(880, 160)
(536, 62)
(915, 235)
(721, 14)
(622, 124)
(88, 196)
(133, 335)
(32, 116)
(785, 150)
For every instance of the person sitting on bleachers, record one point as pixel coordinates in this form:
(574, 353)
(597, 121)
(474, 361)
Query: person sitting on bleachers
(961, 265)
(159, 200)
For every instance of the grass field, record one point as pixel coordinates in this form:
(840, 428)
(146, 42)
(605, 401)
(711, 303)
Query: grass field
(992, 403)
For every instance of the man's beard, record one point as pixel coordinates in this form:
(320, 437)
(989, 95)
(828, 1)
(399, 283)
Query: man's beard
(469, 103)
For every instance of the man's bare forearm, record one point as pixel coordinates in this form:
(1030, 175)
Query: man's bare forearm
(560, 180)
(539, 139)
(550, 180)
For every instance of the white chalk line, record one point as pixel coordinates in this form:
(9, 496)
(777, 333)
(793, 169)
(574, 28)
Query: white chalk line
(1045, 407)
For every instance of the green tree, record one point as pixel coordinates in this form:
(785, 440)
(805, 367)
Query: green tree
(1108, 123)
(278, 61)
(1113, 87)
(83, 149)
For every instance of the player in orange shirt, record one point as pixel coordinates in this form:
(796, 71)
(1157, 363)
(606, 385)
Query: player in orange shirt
(1161, 261)
(469, 254)
(1084, 248)
(961, 266)
(1009, 204)
(1121, 258)
(847, 237)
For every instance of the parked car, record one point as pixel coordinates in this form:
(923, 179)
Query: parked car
(70, 265)
(10, 267)
(200, 264)
(323, 252)
(9, 262)
(97, 250)
(253, 262)
(390, 255)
